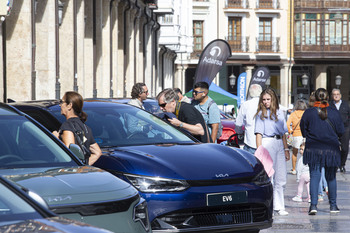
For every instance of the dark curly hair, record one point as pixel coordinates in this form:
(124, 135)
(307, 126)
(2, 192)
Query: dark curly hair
(137, 90)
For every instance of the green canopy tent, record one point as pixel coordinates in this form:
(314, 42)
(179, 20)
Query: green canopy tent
(219, 95)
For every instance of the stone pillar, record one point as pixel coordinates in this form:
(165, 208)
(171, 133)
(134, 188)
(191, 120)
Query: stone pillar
(285, 77)
(320, 76)
(115, 44)
(104, 49)
(248, 70)
(2, 86)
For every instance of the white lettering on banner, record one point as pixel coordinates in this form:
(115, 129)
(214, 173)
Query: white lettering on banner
(242, 88)
(258, 79)
(212, 61)
(226, 198)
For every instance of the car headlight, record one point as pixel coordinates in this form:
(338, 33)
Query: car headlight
(261, 178)
(156, 184)
(141, 214)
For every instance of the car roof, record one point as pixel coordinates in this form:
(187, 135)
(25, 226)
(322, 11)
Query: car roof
(6, 109)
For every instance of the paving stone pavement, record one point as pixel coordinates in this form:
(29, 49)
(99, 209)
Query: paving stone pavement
(298, 219)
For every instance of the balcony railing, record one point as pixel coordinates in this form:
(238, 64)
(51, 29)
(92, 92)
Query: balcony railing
(267, 4)
(272, 46)
(321, 4)
(238, 45)
(237, 4)
(196, 54)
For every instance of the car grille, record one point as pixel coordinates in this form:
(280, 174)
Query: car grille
(97, 208)
(212, 182)
(214, 216)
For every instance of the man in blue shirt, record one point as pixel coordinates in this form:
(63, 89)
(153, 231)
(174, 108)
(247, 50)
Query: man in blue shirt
(208, 108)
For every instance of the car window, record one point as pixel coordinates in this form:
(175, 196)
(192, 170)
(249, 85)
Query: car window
(124, 126)
(23, 144)
(13, 208)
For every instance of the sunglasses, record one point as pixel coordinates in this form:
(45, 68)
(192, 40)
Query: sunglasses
(197, 92)
(162, 105)
(61, 102)
(145, 92)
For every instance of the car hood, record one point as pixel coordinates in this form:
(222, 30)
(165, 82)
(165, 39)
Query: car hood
(190, 162)
(71, 185)
(54, 224)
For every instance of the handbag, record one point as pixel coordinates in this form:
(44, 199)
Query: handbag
(290, 136)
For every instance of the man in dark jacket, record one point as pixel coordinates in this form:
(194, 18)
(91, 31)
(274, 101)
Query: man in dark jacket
(188, 117)
(344, 110)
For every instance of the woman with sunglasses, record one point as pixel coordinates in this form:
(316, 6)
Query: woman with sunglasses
(72, 108)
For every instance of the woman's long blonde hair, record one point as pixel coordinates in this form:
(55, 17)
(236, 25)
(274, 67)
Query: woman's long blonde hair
(273, 108)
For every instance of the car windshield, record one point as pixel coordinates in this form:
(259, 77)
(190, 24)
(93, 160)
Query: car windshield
(123, 125)
(23, 144)
(13, 208)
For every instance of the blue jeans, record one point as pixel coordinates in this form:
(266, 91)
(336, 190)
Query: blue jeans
(315, 176)
(249, 149)
(323, 182)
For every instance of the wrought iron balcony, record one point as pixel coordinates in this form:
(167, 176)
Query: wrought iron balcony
(270, 46)
(267, 4)
(237, 4)
(239, 45)
(321, 4)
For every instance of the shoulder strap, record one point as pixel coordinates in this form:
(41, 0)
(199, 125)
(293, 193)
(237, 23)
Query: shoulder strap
(178, 106)
(330, 123)
(209, 105)
(295, 127)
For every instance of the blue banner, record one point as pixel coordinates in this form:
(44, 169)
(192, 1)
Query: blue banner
(241, 88)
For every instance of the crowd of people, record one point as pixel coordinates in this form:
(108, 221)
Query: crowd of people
(319, 145)
(319, 130)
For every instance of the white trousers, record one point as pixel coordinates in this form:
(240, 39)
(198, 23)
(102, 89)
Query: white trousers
(279, 179)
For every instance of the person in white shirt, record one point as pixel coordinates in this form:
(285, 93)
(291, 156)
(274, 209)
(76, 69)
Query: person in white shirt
(245, 118)
(139, 93)
(182, 98)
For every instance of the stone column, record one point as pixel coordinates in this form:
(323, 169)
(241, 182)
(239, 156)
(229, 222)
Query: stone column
(115, 34)
(285, 83)
(248, 70)
(2, 86)
(320, 76)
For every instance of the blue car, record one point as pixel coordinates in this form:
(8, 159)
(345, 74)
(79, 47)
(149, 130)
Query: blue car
(189, 186)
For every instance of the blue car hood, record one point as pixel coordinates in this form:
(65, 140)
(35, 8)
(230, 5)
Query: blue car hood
(190, 162)
(71, 185)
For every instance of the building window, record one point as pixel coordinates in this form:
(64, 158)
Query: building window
(311, 29)
(198, 35)
(166, 19)
(265, 34)
(336, 27)
(235, 33)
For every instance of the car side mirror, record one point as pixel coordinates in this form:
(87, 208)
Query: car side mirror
(77, 151)
(38, 199)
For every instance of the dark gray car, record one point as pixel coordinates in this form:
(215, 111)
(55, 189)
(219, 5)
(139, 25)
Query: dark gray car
(33, 158)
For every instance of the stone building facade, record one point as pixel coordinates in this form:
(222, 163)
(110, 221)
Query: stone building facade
(98, 48)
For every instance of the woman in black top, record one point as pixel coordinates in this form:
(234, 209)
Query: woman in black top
(71, 107)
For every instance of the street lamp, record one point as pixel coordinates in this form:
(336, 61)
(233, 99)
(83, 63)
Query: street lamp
(304, 79)
(232, 80)
(338, 80)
